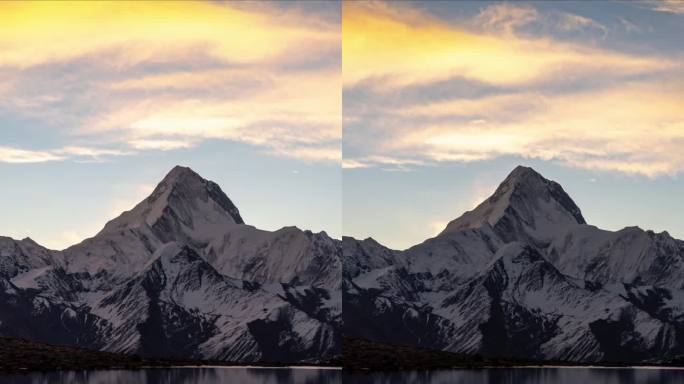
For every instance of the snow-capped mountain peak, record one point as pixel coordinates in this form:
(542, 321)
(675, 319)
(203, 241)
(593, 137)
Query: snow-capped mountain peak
(184, 207)
(524, 199)
(182, 196)
(180, 275)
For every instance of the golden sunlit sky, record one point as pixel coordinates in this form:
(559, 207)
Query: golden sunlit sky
(363, 118)
(442, 99)
(98, 100)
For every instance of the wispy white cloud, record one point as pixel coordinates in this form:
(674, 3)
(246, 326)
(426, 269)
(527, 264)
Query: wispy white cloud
(668, 6)
(160, 144)
(505, 18)
(629, 26)
(89, 152)
(319, 152)
(21, 155)
(572, 22)
(290, 114)
(354, 164)
(584, 129)
(388, 161)
(511, 20)
(18, 155)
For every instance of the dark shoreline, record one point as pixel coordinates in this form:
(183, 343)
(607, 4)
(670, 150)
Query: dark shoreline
(362, 355)
(26, 356)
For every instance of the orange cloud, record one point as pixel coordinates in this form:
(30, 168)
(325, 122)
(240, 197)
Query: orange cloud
(40, 32)
(379, 42)
(291, 114)
(272, 78)
(636, 126)
(633, 128)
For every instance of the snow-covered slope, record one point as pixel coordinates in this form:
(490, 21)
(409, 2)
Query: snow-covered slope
(526, 206)
(183, 207)
(523, 306)
(181, 275)
(186, 208)
(19, 256)
(180, 306)
(523, 275)
(630, 255)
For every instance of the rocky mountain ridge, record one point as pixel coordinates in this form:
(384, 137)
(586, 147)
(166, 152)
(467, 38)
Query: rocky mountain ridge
(180, 276)
(523, 276)
(520, 277)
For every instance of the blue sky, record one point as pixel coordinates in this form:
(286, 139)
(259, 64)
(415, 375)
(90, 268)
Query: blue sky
(62, 202)
(418, 204)
(246, 93)
(443, 99)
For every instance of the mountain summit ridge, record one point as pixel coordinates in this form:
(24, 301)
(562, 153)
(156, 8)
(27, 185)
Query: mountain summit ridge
(524, 202)
(178, 194)
(184, 177)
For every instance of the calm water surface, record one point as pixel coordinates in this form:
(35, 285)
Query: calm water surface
(316, 376)
(183, 376)
(525, 376)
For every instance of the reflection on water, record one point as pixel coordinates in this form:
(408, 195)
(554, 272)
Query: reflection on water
(321, 376)
(524, 376)
(183, 376)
